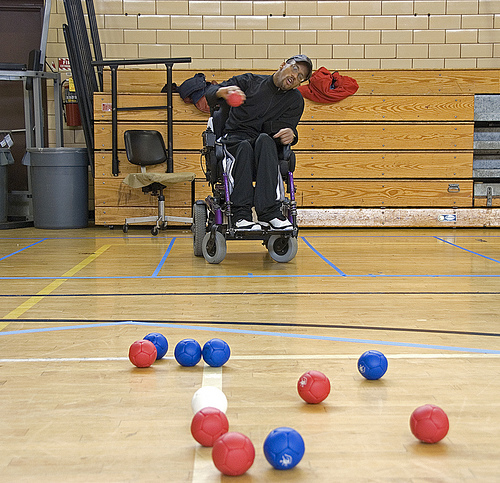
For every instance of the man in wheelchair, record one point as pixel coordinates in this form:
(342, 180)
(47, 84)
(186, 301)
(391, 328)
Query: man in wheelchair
(265, 113)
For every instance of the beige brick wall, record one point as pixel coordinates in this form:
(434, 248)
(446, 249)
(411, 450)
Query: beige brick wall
(259, 34)
(375, 29)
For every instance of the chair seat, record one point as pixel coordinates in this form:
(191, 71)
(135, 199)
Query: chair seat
(140, 180)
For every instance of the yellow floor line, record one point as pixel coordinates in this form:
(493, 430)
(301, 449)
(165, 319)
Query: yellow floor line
(28, 304)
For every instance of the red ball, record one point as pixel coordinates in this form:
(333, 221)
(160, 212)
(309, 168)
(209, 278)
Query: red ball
(233, 454)
(234, 99)
(313, 387)
(142, 353)
(208, 425)
(429, 423)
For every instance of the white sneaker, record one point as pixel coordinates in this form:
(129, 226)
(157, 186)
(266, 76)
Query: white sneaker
(278, 224)
(247, 225)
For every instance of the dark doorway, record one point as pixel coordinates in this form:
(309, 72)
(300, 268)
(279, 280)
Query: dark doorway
(20, 32)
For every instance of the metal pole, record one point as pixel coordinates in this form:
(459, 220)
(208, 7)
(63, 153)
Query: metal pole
(114, 121)
(28, 116)
(170, 116)
(94, 33)
(45, 33)
(58, 111)
(38, 109)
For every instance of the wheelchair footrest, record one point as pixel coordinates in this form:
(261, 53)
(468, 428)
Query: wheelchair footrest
(265, 234)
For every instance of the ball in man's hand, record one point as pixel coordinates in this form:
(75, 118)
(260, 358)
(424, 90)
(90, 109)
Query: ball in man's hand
(234, 99)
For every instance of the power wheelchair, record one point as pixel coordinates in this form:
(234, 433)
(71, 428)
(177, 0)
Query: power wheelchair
(213, 222)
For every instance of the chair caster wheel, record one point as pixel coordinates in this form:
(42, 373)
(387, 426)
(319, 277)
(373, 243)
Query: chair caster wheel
(125, 228)
(214, 251)
(282, 249)
(154, 231)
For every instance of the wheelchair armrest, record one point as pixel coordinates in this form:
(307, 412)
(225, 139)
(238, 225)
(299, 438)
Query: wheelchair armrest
(287, 159)
(213, 151)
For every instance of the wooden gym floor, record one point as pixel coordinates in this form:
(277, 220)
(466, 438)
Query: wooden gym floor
(74, 409)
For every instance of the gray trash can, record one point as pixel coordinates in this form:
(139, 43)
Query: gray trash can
(5, 159)
(59, 187)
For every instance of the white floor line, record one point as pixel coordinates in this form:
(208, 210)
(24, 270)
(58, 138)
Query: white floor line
(66, 359)
(204, 470)
(461, 355)
(212, 376)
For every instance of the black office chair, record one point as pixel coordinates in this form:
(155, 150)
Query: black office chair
(146, 148)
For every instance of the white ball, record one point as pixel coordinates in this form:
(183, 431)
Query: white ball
(209, 396)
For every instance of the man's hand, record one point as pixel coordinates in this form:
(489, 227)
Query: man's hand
(225, 92)
(285, 135)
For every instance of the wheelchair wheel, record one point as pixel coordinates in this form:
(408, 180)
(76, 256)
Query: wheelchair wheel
(214, 252)
(199, 228)
(282, 249)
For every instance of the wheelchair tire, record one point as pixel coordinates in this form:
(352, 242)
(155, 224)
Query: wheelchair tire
(199, 228)
(214, 252)
(282, 249)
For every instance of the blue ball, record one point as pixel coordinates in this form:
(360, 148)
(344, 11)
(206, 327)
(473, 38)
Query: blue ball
(216, 352)
(187, 352)
(160, 342)
(284, 448)
(372, 365)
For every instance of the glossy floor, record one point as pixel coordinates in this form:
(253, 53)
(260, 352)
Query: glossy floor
(73, 408)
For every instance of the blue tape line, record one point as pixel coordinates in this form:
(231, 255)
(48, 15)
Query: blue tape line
(55, 329)
(22, 249)
(340, 272)
(164, 258)
(466, 250)
(261, 332)
(127, 237)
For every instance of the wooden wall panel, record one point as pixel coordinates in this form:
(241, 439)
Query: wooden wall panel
(386, 164)
(403, 141)
(186, 136)
(479, 201)
(113, 192)
(181, 110)
(183, 161)
(325, 136)
(382, 136)
(384, 82)
(401, 193)
(354, 108)
(393, 108)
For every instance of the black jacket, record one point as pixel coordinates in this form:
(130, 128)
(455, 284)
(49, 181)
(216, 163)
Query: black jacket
(267, 109)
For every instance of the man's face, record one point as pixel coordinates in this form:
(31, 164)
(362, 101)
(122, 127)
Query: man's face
(291, 75)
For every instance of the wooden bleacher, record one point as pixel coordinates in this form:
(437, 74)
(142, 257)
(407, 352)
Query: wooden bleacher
(397, 153)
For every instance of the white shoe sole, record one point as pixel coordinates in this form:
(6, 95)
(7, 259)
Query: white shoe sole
(253, 227)
(266, 224)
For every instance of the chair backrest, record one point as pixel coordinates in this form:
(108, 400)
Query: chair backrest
(145, 147)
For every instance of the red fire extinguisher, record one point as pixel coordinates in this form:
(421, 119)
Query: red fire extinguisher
(70, 101)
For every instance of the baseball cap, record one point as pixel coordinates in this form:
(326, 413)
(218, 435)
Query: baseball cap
(305, 60)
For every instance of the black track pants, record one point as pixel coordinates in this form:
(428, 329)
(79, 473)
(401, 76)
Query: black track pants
(257, 162)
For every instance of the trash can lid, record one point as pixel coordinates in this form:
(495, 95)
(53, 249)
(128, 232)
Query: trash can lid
(60, 156)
